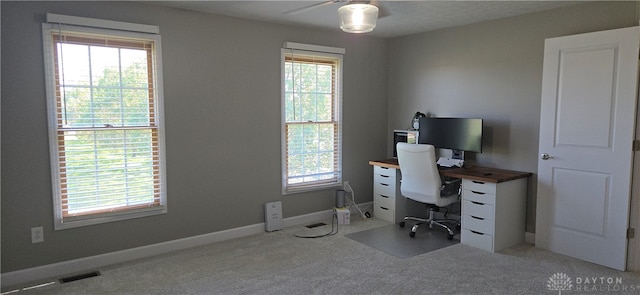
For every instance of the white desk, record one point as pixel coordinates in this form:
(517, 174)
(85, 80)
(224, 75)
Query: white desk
(493, 202)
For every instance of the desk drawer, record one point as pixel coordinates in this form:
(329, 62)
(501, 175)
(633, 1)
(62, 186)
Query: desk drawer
(479, 186)
(377, 178)
(476, 239)
(480, 197)
(384, 213)
(385, 189)
(478, 224)
(379, 170)
(384, 201)
(477, 209)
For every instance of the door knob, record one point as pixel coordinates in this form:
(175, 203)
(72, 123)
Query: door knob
(545, 156)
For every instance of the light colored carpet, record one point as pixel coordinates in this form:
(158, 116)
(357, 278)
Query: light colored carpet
(279, 263)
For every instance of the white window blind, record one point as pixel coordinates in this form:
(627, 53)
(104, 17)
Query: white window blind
(312, 144)
(105, 117)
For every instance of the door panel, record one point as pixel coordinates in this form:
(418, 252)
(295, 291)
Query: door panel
(586, 98)
(574, 188)
(587, 124)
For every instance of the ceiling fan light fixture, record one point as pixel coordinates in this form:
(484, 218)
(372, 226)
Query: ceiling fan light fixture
(358, 17)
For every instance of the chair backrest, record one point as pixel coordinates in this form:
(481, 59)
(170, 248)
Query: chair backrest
(420, 177)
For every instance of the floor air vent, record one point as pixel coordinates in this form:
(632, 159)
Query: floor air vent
(316, 225)
(79, 277)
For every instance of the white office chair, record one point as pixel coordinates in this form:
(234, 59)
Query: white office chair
(421, 182)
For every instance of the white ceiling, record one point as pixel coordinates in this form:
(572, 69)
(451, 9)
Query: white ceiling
(403, 17)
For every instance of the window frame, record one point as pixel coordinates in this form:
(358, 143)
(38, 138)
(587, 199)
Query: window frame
(322, 53)
(135, 211)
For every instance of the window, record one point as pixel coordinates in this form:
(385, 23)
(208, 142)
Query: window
(105, 124)
(311, 127)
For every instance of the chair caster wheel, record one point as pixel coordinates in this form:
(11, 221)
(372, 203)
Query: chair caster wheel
(458, 227)
(412, 234)
(401, 223)
(449, 237)
(367, 214)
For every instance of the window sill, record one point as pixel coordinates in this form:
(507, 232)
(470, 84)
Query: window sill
(88, 220)
(311, 189)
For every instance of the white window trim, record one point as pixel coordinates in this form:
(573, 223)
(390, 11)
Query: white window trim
(314, 48)
(113, 28)
(101, 23)
(310, 50)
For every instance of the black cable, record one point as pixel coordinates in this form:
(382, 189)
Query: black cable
(335, 218)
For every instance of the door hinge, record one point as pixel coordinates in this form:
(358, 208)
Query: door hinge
(631, 233)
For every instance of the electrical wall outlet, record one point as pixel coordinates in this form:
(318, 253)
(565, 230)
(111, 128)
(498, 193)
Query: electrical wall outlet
(37, 235)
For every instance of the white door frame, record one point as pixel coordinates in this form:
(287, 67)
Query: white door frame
(633, 249)
(633, 252)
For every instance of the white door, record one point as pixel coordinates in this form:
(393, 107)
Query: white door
(587, 123)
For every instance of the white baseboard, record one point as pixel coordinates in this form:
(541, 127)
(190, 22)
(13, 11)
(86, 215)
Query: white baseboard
(56, 270)
(530, 238)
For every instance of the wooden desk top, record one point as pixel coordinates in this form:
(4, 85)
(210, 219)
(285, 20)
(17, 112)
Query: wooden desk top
(388, 163)
(485, 174)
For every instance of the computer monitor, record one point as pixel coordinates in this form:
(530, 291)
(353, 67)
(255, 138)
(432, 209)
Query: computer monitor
(457, 134)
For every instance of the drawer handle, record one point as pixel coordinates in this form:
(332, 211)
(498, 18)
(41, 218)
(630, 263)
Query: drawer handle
(476, 232)
(385, 168)
(476, 217)
(477, 203)
(384, 196)
(384, 184)
(385, 176)
(478, 182)
(384, 208)
(477, 193)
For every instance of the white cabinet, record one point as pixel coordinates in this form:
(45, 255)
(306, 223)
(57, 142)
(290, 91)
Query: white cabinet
(493, 214)
(388, 204)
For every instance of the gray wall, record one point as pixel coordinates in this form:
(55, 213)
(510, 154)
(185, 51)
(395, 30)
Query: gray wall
(222, 111)
(491, 70)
